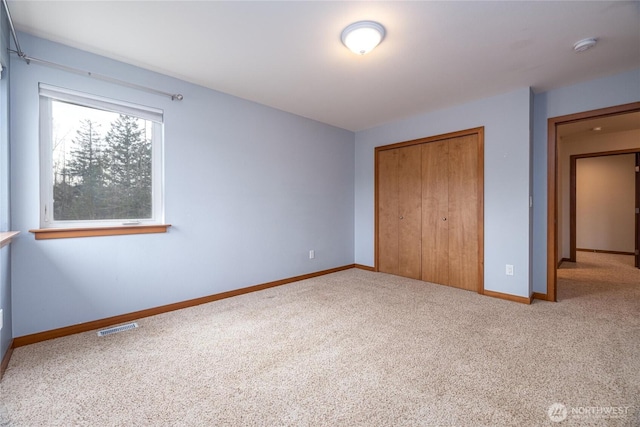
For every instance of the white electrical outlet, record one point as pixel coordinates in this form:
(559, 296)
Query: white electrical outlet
(1, 318)
(312, 254)
(509, 270)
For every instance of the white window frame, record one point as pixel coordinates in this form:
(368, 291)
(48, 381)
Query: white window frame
(48, 94)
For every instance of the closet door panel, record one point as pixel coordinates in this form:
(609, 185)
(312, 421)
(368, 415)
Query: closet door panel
(463, 212)
(388, 198)
(435, 201)
(409, 209)
(429, 209)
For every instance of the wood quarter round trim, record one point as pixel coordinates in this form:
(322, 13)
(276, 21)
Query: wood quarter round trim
(508, 297)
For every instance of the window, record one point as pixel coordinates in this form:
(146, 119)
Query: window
(101, 161)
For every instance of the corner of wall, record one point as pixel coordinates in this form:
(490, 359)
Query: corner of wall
(531, 180)
(6, 334)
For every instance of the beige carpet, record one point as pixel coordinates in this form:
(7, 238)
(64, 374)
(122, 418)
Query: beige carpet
(353, 348)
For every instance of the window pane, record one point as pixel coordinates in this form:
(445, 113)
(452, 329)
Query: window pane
(102, 164)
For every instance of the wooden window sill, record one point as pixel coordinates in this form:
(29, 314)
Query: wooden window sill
(65, 233)
(6, 237)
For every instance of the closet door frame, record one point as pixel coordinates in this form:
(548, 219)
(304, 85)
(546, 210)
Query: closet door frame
(480, 182)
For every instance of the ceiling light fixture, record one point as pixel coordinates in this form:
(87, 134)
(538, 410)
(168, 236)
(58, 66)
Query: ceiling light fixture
(362, 36)
(584, 44)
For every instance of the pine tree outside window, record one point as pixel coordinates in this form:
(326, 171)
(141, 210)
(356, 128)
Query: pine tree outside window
(101, 161)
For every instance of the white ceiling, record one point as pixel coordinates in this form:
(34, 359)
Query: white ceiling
(609, 124)
(288, 55)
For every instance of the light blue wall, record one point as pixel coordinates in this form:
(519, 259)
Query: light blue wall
(506, 119)
(618, 89)
(249, 191)
(5, 253)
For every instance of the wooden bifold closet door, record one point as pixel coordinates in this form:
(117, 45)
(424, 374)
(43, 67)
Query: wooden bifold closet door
(399, 211)
(429, 209)
(450, 212)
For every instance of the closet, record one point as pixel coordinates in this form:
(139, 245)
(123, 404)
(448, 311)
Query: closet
(429, 209)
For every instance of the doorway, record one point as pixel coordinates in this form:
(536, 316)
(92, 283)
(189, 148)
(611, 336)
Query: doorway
(603, 200)
(553, 203)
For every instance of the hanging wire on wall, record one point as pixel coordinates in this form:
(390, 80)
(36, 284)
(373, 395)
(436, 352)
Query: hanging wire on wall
(29, 59)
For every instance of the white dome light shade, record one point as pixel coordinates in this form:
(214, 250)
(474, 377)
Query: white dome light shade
(361, 37)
